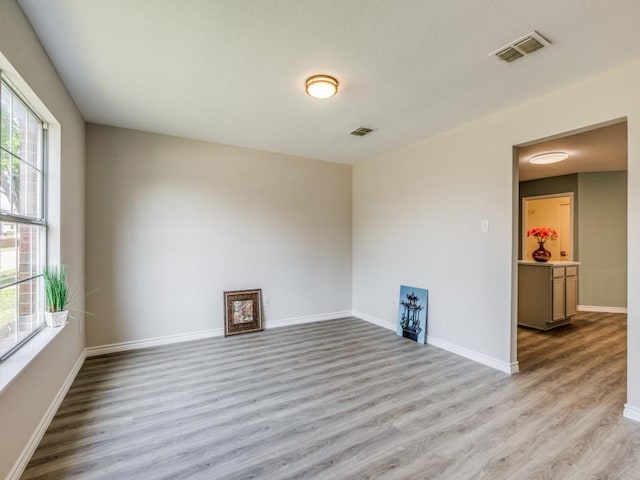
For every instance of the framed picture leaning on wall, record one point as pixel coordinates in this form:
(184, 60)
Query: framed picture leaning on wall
(412, 313)
(242, 312)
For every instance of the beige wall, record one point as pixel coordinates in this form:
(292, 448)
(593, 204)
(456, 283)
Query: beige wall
(417, 214)
(603, 239)
(172, 223)
(24, 403)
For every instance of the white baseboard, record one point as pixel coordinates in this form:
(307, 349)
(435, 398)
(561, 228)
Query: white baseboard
(509, 368)
(41, 429)
(152, 342)
(285, 322)
(631, 412)
(376, 321)
(215, 332)
(595, 308)
(505, 367)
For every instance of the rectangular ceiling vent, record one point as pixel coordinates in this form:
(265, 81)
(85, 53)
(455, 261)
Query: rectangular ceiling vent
(526, 45)
(361, 131)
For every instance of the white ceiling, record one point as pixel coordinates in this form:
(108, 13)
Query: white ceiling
(233, 72)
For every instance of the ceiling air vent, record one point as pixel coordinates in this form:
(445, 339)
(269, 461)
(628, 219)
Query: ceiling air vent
(509, 54)
(531, 42)
(361, 131)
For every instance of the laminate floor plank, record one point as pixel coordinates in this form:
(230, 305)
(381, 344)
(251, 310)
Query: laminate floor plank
(344, 399)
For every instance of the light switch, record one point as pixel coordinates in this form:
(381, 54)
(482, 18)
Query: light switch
(484, 226)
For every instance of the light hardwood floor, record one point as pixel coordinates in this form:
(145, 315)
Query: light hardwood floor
(344, 399)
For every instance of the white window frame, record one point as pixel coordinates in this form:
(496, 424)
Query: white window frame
(26, 220)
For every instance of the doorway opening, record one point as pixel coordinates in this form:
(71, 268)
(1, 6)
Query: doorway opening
(554, 211)
(584, 200)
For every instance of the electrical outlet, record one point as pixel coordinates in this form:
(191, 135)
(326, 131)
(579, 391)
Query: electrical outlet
(265, 300)
(484, 226)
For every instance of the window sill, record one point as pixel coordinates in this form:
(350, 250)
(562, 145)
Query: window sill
(13, 366)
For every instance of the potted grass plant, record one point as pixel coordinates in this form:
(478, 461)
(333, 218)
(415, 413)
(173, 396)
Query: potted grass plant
(57, 293)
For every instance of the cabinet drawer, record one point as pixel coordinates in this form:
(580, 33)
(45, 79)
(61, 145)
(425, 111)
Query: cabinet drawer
(572, 271)
(557, 272)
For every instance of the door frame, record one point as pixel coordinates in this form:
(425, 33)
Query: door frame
(523, 214)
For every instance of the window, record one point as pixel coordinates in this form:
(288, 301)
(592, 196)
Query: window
(22, 221)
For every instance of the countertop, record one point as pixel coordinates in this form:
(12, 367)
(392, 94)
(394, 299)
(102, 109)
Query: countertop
(548, 264)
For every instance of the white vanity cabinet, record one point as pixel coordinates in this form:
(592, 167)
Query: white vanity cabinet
(547, 294)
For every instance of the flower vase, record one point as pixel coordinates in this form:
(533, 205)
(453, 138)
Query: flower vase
(541, 254)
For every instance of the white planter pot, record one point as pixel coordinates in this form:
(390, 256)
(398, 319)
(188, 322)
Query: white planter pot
(56, 319)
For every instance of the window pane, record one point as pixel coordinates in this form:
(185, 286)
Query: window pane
(19, 127)
(26, 191)
(30, 307)
(5, 118)
(20, 187)
(9, 168)
(8, 319)
(21, 158)
(34, 141)
(8, 253)
(30, 251)
(21, 312)
(21, 252)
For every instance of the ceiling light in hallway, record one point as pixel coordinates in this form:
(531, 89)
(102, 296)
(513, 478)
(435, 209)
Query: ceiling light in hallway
(546, 158)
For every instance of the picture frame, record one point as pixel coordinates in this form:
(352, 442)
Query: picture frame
(243, 312)
(413, 309)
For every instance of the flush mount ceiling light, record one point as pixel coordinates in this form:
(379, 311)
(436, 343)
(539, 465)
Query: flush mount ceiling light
(321, 86)
(546, 158)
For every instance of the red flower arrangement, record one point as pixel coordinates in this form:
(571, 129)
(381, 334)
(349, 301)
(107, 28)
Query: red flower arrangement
(543, 234)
